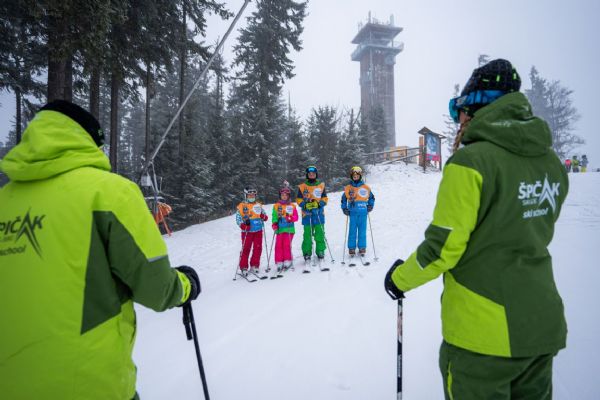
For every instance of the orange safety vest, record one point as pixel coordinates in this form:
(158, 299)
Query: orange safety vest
(312, 192)
(285, 209)
(250, 210)
(360, 193)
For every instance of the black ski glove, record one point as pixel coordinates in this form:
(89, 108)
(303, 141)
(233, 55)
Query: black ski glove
(192, 276)
(346, 211)
(369, 208)
(390, 287)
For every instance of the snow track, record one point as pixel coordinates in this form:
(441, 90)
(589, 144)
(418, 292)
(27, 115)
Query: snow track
(331, 335)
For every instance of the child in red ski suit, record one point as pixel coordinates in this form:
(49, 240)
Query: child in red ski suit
(284, 216)
(250, 217)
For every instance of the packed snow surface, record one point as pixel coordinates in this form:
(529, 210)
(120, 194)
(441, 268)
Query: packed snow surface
(332, 335)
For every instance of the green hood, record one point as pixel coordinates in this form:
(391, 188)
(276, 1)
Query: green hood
(52, 144)
(509, 123)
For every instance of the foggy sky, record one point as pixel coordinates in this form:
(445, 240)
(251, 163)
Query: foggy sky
(442, 42)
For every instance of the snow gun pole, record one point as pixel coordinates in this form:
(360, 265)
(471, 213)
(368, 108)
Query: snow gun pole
(372, 241)
(345, 237)
(325, 237)
(399, 366)
(190, 331)
(200, 78)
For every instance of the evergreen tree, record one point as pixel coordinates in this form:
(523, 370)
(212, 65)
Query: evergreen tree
(452, 127)
(323, 136)
(297, 151)
(21, 57)
(552, 102)
(350, 149)
(377, 129)
(263, 64)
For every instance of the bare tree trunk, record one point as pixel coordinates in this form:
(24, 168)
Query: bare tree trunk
(18, 96)
(149, 95)
(114, 118)
(68, 80)
(56, 61)
(95, 92)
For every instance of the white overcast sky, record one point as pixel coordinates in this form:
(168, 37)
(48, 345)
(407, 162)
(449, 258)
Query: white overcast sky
(442, 42)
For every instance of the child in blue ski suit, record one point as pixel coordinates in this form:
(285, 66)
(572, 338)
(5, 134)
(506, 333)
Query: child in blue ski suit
(357, 201)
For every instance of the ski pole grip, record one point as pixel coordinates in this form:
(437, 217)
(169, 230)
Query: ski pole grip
(187, 322)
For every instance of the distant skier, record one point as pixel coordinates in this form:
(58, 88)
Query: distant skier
(575, 164)
(284, 217)
(584, 163)
(500, 196)
(250, 217)
(312, 198)
(357, 201)
(568, 164)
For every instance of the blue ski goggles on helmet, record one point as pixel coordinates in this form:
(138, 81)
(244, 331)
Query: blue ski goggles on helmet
(478, 97)
(311, 169)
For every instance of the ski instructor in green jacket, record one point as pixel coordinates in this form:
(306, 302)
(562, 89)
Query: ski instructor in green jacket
(77, 247)
(500, 196)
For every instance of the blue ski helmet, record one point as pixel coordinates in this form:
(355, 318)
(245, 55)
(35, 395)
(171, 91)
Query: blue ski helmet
(312, 168)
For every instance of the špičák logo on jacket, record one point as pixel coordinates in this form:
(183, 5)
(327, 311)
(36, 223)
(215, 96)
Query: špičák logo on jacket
(538, 194)
(13, 230)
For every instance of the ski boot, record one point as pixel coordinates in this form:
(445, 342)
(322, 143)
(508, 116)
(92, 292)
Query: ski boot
(307, 262)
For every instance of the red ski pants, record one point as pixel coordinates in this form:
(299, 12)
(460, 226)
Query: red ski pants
(283, 247)
(251, 241)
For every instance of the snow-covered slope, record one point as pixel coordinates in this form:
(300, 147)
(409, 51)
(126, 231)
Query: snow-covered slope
(331, 335)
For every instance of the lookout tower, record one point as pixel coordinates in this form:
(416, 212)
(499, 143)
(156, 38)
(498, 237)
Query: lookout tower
(376, 51)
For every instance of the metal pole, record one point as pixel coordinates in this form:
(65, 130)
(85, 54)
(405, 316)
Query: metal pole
(372, 241)
(190, 330)
(399, 353)
(325, 237)
(241, 252)
(345, 237)
(266, 246)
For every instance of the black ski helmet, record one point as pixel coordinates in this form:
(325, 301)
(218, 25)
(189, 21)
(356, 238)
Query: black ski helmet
(498, 74)
(249, 190)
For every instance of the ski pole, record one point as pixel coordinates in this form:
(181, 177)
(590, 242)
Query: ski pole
(372, 241)
(399, 353)
(241, 252)
(271, 248)
(190, 331)
(267, 246)
(325, 237)
(345, 237)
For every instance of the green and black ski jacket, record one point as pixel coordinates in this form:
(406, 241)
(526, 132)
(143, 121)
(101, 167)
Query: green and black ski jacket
(497, 204)
(77, 247)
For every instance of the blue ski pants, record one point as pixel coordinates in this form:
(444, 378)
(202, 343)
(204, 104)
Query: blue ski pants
(358, 227)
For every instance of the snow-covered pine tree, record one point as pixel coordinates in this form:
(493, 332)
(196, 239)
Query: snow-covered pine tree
(262, 64)
(350, 149)
(323, 135)
(451, 127)
(553, 102)
(297, 151)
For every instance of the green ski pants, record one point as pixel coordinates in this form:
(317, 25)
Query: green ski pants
(469, 375)
(318, 231)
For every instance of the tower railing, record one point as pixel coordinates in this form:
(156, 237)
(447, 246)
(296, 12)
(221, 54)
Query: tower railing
(397, 47)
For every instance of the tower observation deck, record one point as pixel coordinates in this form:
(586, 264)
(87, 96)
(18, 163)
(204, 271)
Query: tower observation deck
(376, 51)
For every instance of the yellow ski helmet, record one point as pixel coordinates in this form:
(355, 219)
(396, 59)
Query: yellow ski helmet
(356, 169)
